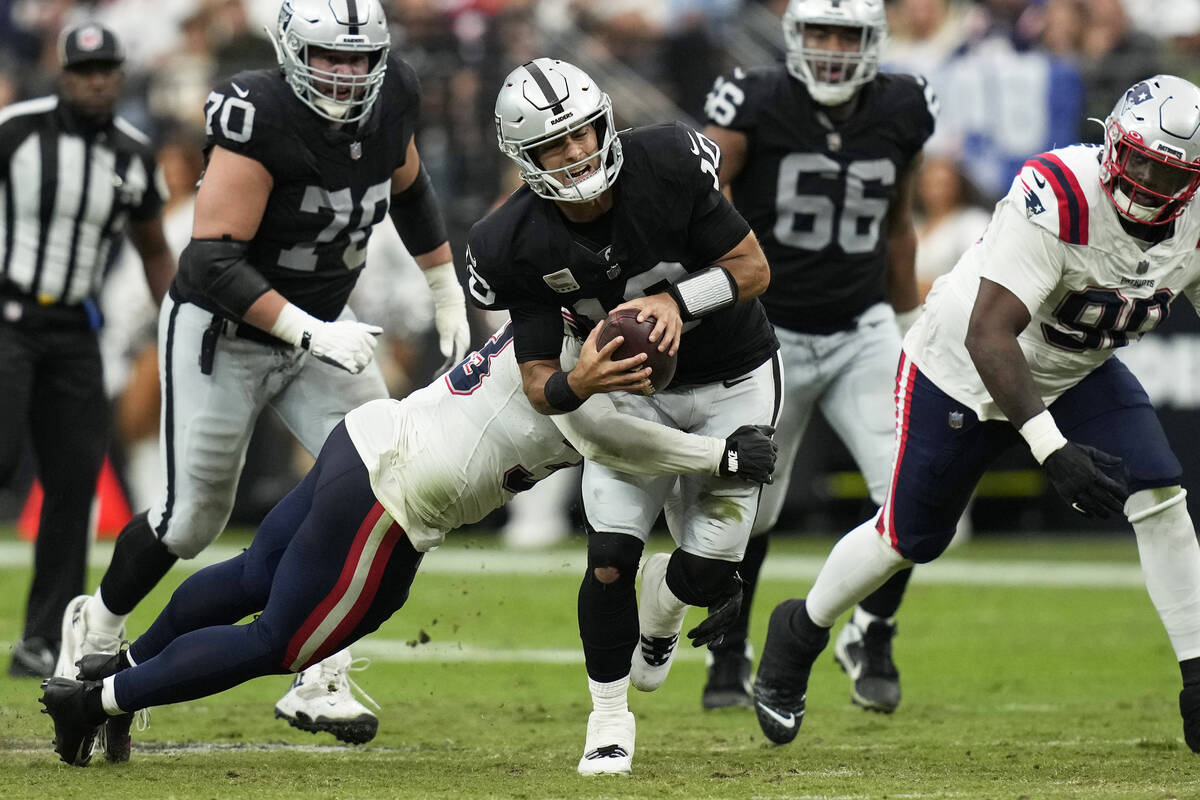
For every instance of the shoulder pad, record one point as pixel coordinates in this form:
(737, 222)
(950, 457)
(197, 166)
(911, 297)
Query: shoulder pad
(736, 97)
(244, 113)
(1052, 191)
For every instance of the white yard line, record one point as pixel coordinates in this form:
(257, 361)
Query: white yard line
(464, 561)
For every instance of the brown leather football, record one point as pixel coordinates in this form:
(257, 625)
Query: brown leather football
(624, 323)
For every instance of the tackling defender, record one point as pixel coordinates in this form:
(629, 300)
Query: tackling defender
(820, 156)
(301, 163)
(336, 557)
(634, 219)
(1085, 254)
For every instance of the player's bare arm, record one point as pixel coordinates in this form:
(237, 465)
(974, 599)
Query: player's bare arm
(595, 373)
(997, 319)
(902, 249)
(745, 266)
(230, 203)
(734, 146)
(157, 262)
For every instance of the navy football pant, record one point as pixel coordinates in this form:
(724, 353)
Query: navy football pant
(943, 450)
(327, 566)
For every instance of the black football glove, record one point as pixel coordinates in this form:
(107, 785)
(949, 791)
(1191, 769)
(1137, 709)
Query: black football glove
(750, 454)
(1083, 477)
(720, 616)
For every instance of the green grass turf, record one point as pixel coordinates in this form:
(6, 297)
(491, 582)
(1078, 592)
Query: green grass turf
(1009, 692)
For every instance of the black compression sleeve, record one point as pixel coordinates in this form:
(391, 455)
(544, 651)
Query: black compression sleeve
(417, 215)
(216, 272)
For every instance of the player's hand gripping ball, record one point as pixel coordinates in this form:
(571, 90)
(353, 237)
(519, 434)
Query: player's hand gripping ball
(624, 323)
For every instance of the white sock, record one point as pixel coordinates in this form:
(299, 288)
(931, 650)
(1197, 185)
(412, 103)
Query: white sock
(671, 609)
(1170, 559)
(108, 697)
(99, 618)
(610, 698)
(858, 564)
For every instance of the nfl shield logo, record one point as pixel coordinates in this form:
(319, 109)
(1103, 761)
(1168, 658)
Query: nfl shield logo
(956, 420)
(1143, 267)
(356, 150)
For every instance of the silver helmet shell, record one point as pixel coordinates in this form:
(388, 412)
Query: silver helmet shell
(546, 99)
(833, 76)
(344, 26)
(1151, 166)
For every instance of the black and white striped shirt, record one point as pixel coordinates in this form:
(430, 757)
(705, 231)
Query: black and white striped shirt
(69, 190)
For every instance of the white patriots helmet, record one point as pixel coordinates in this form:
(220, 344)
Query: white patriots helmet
(1151, 166)
(543, 100)
(833, 76)
(347, 26)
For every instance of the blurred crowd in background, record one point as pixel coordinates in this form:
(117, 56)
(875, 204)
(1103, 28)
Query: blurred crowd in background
(1013, 77)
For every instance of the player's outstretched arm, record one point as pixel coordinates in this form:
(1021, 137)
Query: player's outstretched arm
(902, 289)
(550, 390)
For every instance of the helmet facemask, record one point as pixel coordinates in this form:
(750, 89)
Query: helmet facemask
(832, 76)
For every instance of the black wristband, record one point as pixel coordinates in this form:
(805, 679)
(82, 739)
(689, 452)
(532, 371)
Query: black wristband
(559, 393)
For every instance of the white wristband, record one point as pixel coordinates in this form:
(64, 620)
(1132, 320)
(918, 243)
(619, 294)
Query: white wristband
(443, 283)
(294, 325)
(1043, 435)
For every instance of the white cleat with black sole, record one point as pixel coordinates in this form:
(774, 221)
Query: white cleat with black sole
(320, 701)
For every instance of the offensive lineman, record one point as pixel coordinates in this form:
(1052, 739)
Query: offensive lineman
(820, 156)
(386, 487)
(301, 163)
(663, 239)
(1084, 254)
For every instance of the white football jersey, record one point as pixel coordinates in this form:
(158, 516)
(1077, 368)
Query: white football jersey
(449, 454)
(1056, 242)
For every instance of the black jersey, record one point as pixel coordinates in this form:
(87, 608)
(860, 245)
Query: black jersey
(818, 194)
(668, 220)
(330, 186)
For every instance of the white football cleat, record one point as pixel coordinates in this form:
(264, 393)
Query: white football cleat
(78, 641)
(608, 749)
(659, 625)
(320, 701)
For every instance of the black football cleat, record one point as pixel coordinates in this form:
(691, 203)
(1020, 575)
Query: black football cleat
(781, 684)
(1189, 709)
(866, 657)
(114, 737)
(728, 684)
(74, 732)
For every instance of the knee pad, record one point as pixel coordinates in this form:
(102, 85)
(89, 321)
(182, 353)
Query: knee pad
(700, 581)
(617, 550)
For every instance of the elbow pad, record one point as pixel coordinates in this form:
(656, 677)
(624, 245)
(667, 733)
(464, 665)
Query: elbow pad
(216, 273)
(417, 216)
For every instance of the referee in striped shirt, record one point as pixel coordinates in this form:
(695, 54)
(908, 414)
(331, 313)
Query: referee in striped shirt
(74, 180)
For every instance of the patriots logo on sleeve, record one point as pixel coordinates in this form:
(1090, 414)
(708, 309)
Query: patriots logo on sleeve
(1033, 203)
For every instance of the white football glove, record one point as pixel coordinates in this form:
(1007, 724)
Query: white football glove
(449, 313)
(347, 343)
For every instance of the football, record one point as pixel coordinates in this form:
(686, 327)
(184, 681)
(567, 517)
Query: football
(624, 323)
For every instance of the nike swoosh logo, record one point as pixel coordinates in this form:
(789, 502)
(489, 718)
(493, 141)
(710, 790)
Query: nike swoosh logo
(246, 93)
(735, 382)
(788, 722)
(1037, 178)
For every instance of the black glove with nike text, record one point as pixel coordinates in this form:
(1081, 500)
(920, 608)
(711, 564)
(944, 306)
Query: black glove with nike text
(1084, 478)
(750, 454)
(720, 616)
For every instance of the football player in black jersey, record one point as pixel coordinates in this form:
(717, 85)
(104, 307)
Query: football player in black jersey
(820, 155)
(301, 162)
(633, 219)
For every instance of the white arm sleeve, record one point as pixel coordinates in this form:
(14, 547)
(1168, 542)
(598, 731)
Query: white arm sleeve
(625, 443)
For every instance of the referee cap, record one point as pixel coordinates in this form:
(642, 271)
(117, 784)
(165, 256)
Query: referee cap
(88, 43)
